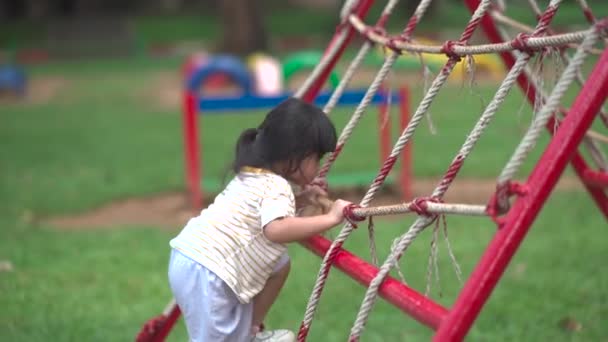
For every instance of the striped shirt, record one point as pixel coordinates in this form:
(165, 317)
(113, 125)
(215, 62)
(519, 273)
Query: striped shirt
(227, 237)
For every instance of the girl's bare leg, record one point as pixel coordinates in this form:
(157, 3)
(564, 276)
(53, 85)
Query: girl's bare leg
(264, 300)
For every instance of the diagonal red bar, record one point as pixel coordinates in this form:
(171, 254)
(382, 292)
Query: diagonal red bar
(517, 222)
(598, 179)
(421, 308)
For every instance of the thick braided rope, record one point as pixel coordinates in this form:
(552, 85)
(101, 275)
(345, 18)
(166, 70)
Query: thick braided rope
(363, 51)
(503, 19)
(360, 110)
(591, 19)
(316, 73)
(531, 43)
(331, 53)
(590, 137)
(347, 8)
(423, 221)
(551, 105)
(580, 79)
(422, 206)
(595, 151)
(347, 229)
(597, 155)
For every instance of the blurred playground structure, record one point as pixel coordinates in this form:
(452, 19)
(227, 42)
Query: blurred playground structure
(260, 84)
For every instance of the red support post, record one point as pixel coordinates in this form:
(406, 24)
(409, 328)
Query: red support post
(191, 149)
(598, 179)
(421, 308)
(518, 220)
(405, 175)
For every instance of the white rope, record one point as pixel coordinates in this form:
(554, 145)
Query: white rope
(429, 207)
(347, 229)
(422, 222)
(501, 18)
(352, 68)
(547, 110)
(347, 8)
(330, 54)
(597, 155)
(323, 63)
(557, 40)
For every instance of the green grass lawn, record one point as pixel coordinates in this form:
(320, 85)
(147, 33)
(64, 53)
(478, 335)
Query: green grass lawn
(104, 137)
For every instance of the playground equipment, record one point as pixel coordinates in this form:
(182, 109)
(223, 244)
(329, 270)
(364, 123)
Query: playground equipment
(195, 104)
(267, 74)
(514, 205)
(259, 72)
(13, 79)
(303, 61)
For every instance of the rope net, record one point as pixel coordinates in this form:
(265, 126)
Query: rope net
(526, 45)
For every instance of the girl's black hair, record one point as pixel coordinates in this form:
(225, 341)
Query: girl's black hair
(291, 132)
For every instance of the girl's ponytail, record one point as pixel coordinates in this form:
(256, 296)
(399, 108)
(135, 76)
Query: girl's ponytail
(245, 154)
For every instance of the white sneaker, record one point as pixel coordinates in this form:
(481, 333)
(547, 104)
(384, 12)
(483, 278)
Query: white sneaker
(274, 336)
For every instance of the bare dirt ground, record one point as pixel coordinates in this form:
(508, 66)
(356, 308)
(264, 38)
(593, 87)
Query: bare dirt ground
(40, 90)
(172, 210)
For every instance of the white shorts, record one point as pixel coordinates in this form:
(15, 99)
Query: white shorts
(210, 309)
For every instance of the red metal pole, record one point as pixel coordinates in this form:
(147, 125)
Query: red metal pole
(578, 162)
(168, 325)
(361, 11)
(384, 128)
(191, 149)
(421, 308)
(596, 178)
(406, 155)
(518, 220)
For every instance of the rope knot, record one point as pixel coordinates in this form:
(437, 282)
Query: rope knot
(379, 30)
(344, 22)
(499, 202)
(448, 49)
(420, 205)
(602, 26)
(394, 40)
(521, 43)
(350, 216)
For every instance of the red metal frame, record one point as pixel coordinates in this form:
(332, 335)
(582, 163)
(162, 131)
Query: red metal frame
(578, 162)
(517, 222)
(562, 149)
(192, 153)
(596, 178)
(454, 324)
(402, 296)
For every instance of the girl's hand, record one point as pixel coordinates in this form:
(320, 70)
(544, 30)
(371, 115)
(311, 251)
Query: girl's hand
(309, 196)
(337, 210)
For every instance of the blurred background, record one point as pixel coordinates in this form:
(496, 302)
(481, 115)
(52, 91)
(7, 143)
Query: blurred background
(92, 173)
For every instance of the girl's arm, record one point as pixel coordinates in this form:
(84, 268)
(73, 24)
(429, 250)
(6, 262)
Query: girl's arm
(291, 229)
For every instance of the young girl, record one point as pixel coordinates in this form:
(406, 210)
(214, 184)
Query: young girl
(228, 265)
